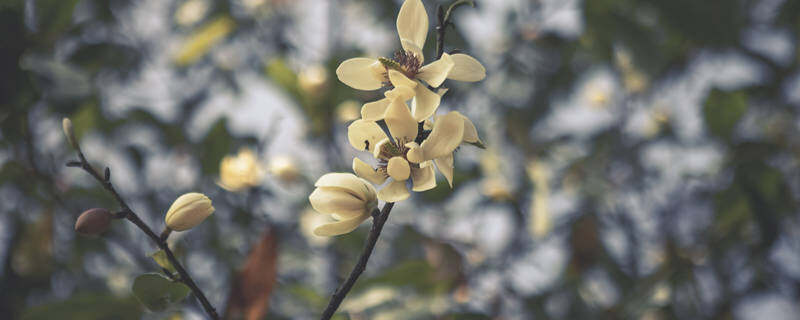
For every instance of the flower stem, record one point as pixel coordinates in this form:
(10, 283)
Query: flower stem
(161, 243)
(443, 17)
(338, 296)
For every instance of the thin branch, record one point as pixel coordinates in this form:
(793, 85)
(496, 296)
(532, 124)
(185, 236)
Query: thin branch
(161, 243)
(443, 18)
(378, 220)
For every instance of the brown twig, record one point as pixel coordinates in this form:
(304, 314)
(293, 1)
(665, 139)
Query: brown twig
(443, 18)
(133, 218)
(378, 220)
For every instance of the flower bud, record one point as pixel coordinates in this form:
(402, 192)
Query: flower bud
(93, 222)
(66, 125)
(188, 211)
(346, 198)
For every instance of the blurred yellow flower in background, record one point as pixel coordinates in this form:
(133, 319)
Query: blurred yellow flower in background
(190, 12)
(240, 171)
(283, 167)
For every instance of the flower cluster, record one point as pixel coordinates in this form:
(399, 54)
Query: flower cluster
(402, 130)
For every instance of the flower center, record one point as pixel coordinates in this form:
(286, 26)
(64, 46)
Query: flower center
(404, 61)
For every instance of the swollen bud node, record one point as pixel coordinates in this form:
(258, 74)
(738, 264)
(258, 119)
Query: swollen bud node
(93, 222)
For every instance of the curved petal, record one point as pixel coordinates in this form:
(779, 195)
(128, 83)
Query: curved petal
(412, 22)
(425, 103)
(341, 227)
(373, 111)
(423, 177)
(414, 153)
(336, 201)
(410, 46)
(349, 182)
(363, 134)
(470, 132)
(365, 171)
(466, 68)
(436, 72)
(446, 135)
(398, 168)
(401, 124)
(403, 93)
(398, 79)
(359, 73)
(394, 192)
(445, 165)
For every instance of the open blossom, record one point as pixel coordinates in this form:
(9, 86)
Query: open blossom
(405, 69)
(410, 152)
(241, 171)
(347, 198)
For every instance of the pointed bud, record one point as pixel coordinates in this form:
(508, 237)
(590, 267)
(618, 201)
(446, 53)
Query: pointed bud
(188, 211)
(66, 124)
(93, 222)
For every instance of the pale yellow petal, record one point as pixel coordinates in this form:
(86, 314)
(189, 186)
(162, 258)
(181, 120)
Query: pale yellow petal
(436, 72)
(347, 181)
(403, 93)
(341, 227)
(360, 73)
(445, 165)
(410, 46)
(363, 134)
(398, 168)
(332, 200)
(466, 68)
(425, 103)
(412, 22)
(401, 124)
(398, 79)
(446, 135)
(374, 111)
(470, 132)
(423, 177)
(414, 153)
(363, 170)
(394, 192)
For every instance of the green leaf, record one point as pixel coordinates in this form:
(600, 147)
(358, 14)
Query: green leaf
(723, 110)
(161, 258)
(157, 292)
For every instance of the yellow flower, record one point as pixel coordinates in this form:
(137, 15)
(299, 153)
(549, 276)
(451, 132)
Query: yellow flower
(284, 168)
(347, 198)
(188, 211)
(404, 70)
(241, 171)
(411, 152)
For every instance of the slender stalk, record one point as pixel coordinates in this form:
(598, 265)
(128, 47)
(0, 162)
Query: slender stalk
(161, 243)
(378, 220)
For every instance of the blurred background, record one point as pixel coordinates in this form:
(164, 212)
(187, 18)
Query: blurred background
(642, 159)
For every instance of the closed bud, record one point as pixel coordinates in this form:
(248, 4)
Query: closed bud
(93, 222)
(188, 211)
(66, 125)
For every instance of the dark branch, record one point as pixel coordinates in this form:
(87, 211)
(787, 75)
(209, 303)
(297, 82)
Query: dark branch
(128, 214)
(377, 225)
